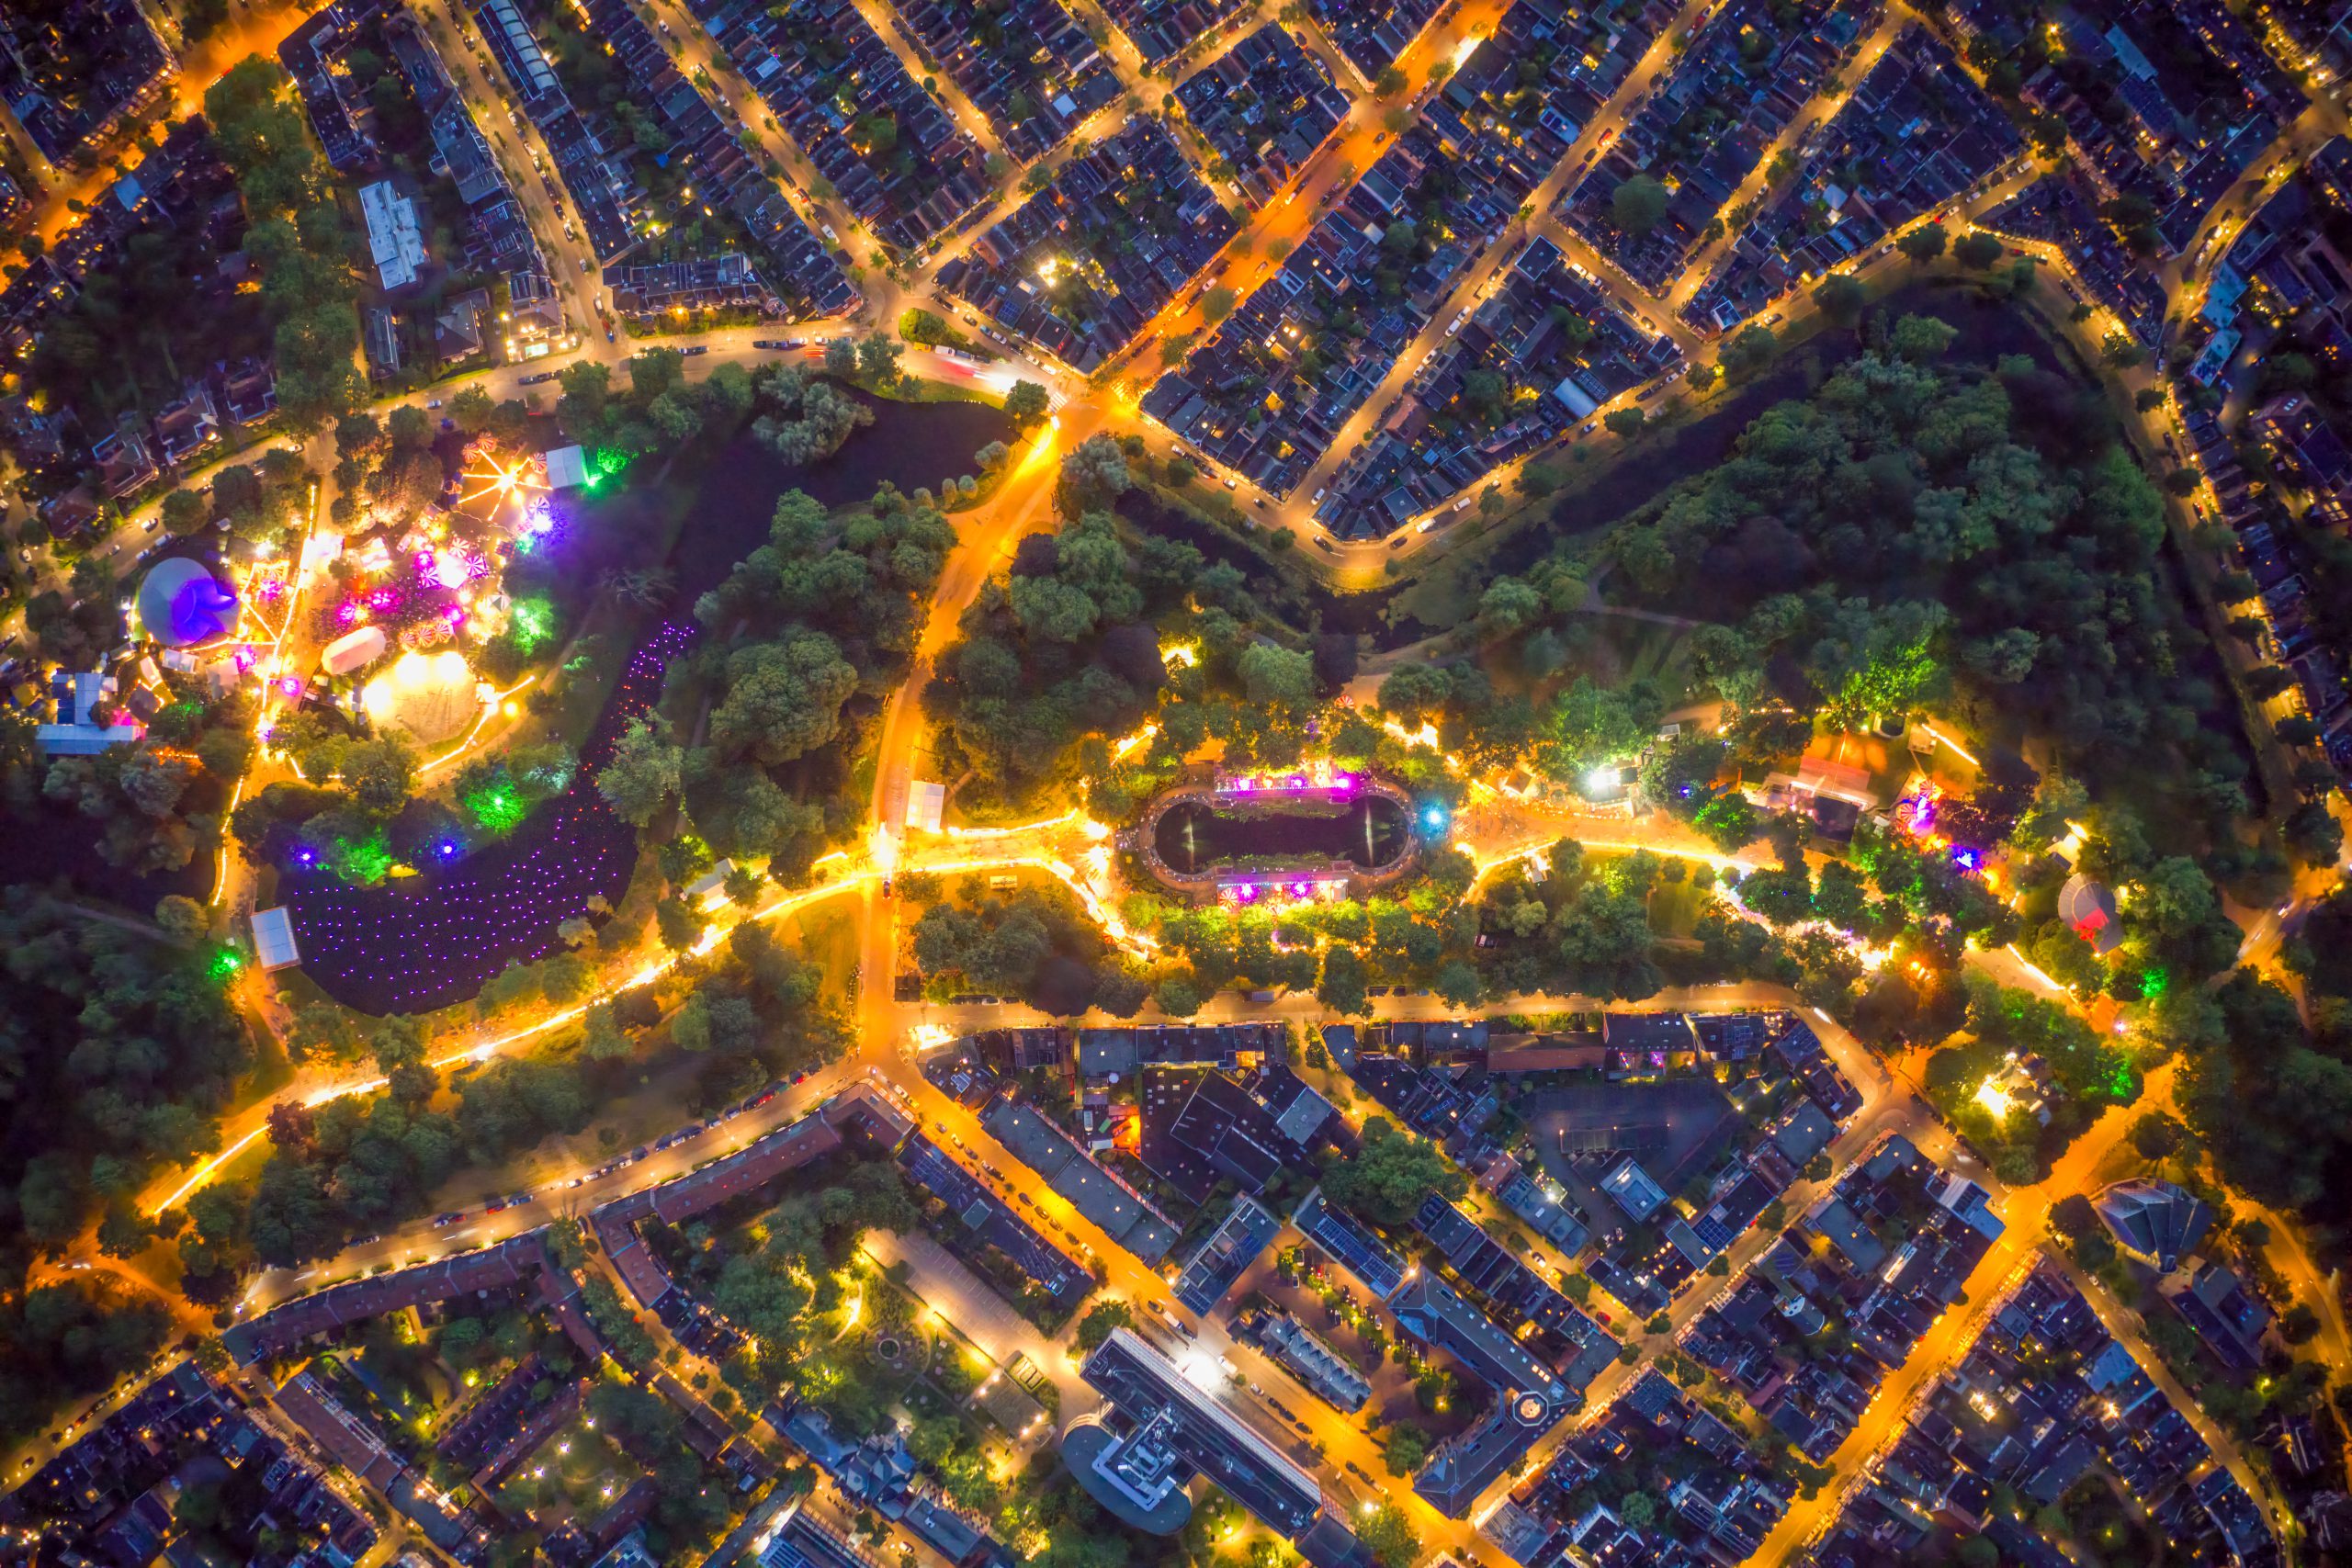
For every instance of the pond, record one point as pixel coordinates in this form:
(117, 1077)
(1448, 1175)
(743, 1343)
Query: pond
(419, 942)
(908, 444)
(1369, 831)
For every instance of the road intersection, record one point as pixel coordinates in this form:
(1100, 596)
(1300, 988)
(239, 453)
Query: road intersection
(987, 535)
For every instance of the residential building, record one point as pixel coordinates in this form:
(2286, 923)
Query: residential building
(1159, 1430)
(1238, 1241)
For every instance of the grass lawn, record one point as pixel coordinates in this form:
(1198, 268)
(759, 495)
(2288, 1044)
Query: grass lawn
(1675, 908)
(826, 938)
(574, 1474)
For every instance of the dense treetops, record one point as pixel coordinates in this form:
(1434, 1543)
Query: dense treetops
(296, 241)
(802, 640)
(1910, 520)
(116, 1052)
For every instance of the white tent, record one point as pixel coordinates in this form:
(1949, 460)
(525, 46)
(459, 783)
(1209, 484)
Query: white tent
(274, 939)
(566, 467)
(925, 803)
(353, 651)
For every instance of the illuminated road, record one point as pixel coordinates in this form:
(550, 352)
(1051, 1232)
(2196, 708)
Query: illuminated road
(986, 536)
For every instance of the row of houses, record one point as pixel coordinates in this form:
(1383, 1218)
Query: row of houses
(1538, 356)
(591, 157)
(313, 54)
(1163, 29)
(1025, 64)
(1490, 114)
(2165, 105)
(1915, 134)
(1266, 105)
(1710, 1499)
(1870, 1266)
(497, 236)
(102, 1498)
(1372, 33)
(1082, 267)
(885, 146)
(1270, 391)
(1529, 1396)
(970, 1068)
(71, 72)
(2285, 268)
(2294, 634)
(1753, 68)
(799, 276)
(2044, 1399)
(2062, 210)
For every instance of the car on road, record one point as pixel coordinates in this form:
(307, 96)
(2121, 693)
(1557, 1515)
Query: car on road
(433, 403)
(690, 353)
(150, 524)
(769, 343)
(542, 376)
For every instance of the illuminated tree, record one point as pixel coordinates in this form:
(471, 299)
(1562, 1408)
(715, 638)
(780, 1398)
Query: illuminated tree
(1027, 403)
(642, 776)
(1638, 205)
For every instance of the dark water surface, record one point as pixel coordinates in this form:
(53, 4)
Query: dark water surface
(1369, 831)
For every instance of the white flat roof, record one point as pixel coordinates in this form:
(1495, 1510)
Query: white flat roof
(925, 803)
(274, 939)
(566, 467)
(394, 241)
